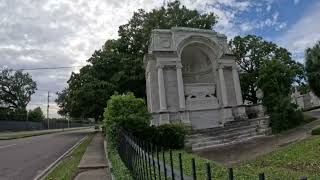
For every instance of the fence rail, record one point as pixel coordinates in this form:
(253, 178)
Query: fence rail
(147, 161)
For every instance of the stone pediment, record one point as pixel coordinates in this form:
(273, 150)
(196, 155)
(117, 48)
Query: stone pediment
(173, 39)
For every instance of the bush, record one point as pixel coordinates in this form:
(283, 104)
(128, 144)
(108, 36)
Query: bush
(315, 131)
(168, 136)
(284, 115)
(128, 112)
(36, 114)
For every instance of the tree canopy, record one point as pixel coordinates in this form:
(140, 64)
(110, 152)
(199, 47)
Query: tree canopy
(312, 63)
(16, 88)
(118, 65)
(251, 53)
(276, 79)
(36, 114)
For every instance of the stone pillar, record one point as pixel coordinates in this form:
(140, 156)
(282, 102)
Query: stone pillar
(241, 110)
(182, 101)
(223, 87)
(237, 87)
(162, 93)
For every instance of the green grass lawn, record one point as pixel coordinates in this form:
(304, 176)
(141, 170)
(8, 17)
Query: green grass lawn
(288, 163)
(68, 168)
(292, 162)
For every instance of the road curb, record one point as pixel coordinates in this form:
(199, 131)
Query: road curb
(53, 165)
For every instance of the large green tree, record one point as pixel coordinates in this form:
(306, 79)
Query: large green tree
(16, 89)
(118, 66)
(276, 79)
(251, 52)
(36, 114)
(312, 62)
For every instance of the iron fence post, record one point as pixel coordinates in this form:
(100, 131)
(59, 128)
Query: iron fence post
(159, 170)
(171, 163)
(230, 173)
(261, 176)
(180, 165)
(208, 172)
(164, 164)
(194, 171)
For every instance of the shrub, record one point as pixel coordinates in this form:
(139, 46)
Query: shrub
(315, 131)
(168, 136)
(36, 114)
(284, 115)
(128, 112)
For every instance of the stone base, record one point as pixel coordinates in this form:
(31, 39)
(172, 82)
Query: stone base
(232, 132)
(197, 119)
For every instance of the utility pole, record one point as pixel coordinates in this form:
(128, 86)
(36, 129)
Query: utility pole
(48, 110)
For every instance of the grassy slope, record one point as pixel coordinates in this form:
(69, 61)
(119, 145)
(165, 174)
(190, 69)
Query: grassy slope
(68, 168)
(292, 162)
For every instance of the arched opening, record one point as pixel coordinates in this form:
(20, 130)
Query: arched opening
(198, 77)
(197, 67)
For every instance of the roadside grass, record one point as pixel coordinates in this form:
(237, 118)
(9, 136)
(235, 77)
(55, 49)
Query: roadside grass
(68, 168)
(119, 170)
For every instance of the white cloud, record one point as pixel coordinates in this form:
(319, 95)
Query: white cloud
(66, 32)
(304, 33)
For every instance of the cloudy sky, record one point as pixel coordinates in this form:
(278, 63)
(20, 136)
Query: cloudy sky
(55, 33)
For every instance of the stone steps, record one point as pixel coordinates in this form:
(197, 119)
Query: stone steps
(212, 144)
(222, 130)
(225, 135)
(231, 132)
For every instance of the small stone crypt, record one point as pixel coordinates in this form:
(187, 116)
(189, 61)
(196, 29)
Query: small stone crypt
(192, 78)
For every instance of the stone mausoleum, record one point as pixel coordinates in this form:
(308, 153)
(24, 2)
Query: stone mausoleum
(192, 77)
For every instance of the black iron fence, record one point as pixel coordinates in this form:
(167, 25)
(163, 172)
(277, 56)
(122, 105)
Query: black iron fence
(148, 162)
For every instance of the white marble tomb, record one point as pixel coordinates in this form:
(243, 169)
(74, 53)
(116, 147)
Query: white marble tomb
(192, 77)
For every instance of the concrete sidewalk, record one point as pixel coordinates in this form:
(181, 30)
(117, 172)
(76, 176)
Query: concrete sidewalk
(94, 163)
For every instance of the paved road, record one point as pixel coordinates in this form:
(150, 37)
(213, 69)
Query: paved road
(23, 159)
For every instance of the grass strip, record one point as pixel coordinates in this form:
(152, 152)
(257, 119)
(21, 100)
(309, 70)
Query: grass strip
(119, 170)
(68, 168)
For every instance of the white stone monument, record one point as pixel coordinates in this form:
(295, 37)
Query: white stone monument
(192, 77)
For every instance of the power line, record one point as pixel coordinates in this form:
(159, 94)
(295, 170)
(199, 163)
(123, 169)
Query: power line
(46, 68)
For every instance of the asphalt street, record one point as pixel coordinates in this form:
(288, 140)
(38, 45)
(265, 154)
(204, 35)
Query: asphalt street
(25, 158)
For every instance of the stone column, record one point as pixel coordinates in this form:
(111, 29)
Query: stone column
(223, 87)
(182, 101)
(241, 110)
(237, 87)
(162, 93)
